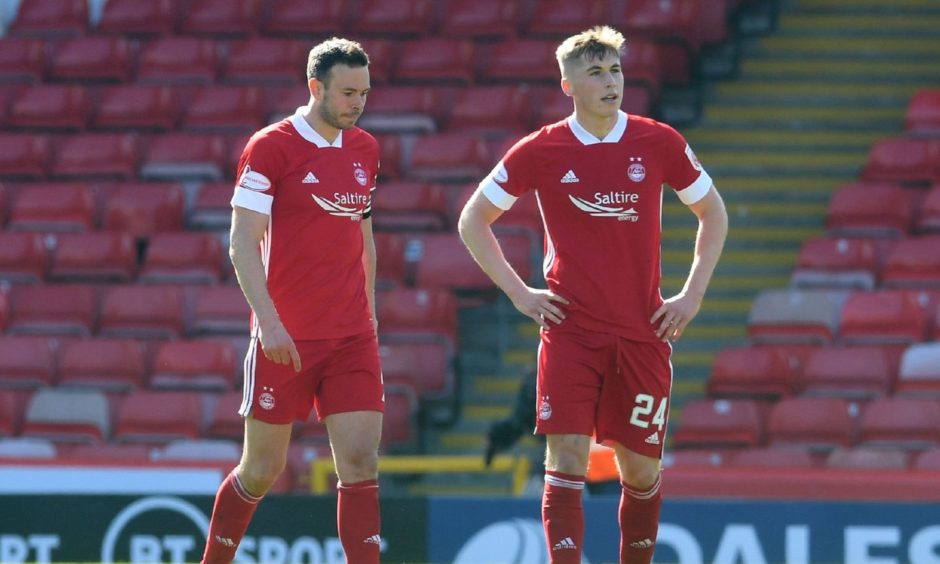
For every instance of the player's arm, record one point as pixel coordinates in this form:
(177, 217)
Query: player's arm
(368, 263)
(676, 312)
(248, 229)
(476, 230)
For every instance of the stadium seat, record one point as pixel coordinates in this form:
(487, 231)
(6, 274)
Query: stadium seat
(106, 452)
(796, 316)
(498, 19)
(383, 55)
(912, 161)
(424, 367)
(212, 208)
(849, 372)
(390, 260)
(220, 310)
(399, 424)
(156, 417)
(839, 263)
(913, 263)
(115, 365)
(751, 372)
(390, 156)
(189, 156)
(394, 17)
(491, 109)
(101, 256)
(200, 450)
(436, 60)
(410, 206)
(143, 209)
(221, 17)
(132, 17)
(403, 109)
(900, 423)
(558, 19)
(884, 317)
(266, 60)
(23, 258)
(674, 25)
(97, 155)
(868, 459)
(178, 59)
(142, 312)
(92, 59)
(693, 458)
(53, 309)
(196, 364)
(814, 423)
(771, 458)
(443, 261)
(27, 362)
(225, 422)
(225, 108)
(27, 448)
(67, 416)
(928, 217)
(10, 417)
(417, 314)
(449, 157)
(720, 423)
(527, 60)
(182, 258)
(53, 207)
(303, 18)
(138, 106)
(22, 59)
(870, 210)
(50, 18)
(928, 461)
(50, 106)
(923, 113)
(919, 374)
(24, 155)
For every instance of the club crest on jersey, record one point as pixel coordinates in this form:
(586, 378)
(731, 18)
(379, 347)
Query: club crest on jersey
(254, 181)
(692, 158)
(636, 171)
(362, 177)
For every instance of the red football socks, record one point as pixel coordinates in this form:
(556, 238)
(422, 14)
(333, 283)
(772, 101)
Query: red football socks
(639, 523)
(231, 514)
(563, 517)
(359, 521)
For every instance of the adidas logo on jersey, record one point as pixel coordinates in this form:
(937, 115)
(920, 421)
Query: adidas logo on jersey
(565, 543)
(645, 543)
(310, 179)
(653, 439)
(569, 178)
(374, 539)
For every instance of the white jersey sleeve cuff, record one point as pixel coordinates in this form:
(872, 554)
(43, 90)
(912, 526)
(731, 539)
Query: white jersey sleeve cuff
(697, 190)
(495, 194)
(253, 201)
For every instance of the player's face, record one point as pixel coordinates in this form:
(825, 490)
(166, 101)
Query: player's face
(596, 85)
(343, 96)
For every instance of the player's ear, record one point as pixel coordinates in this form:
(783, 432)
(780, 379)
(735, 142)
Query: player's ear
(566, 87)
(317, 88)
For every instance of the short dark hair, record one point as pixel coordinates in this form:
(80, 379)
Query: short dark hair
(334, 51)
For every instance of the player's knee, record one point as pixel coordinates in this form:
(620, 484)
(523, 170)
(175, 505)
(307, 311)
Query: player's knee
(360, 465)
(566, 460)
(259, 475)
(640, 476)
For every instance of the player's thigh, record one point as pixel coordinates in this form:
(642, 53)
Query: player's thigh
(265, 448)
(637, 470)
(567, 453)
(354, 437)
(351, 378)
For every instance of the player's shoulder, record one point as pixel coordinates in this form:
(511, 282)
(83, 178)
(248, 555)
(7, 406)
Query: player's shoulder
(357, 136)
(649, 125)
(273, 136)
(539, 139)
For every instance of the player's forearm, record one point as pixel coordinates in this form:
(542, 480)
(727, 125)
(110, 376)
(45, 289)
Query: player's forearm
(709, 242)
(251, 278)
(484, 248)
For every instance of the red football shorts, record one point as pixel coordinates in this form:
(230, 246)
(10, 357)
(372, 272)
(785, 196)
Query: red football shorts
(336, 376)
(594, 383)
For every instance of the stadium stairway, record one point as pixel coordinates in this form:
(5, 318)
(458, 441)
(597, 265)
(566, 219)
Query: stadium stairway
(795, 124)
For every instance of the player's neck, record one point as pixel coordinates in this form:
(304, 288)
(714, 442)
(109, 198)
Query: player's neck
(326, 131)
(598, 126)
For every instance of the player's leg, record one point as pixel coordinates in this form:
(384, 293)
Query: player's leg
(640, 504)
(566, 458)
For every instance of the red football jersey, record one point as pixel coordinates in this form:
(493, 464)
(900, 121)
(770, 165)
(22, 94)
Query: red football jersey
(601, 204)
(315, 195)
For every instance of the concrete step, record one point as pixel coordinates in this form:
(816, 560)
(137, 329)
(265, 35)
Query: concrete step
(863, 25)
(816, 91)
(876, 6)
(854, 47)
(831, 69)
(769, 139)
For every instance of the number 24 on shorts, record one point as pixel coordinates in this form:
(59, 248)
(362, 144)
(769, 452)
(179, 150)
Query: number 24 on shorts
(642, 410)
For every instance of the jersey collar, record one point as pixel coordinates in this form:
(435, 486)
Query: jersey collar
(310, 134)
(586, 138)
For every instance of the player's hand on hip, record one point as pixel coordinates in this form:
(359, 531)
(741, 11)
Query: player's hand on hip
(671, 319)
(541, 306)
(278, 347)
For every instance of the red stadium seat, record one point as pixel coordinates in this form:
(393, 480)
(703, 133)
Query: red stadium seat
(10, 414)
(23, 258)
(50, 107)
(200, 450)
(99, 155)
(22, 59)
(850, 372)
(23, 155)
(53, 309)
(436, 59)
(201, 364)
(560, 18)
(868, 459)
(772, 458)
(383, 54)
(443, 261)
(923, 113)
(185, 155)
(693, 458)
(183, 258)
(390, 260)
(53, 207)
(816, 423)
(146, 416)
(142, 209)
(402, 109)
(481, 18)
(424, 367)
(221, 17)
(138, 106)
(212, 208)
(913, 263)
(132, 17)
(901, 423)
(220, 310)
(178, 60)
(720, 424)
(928, 461)
(903, 160)
(225, 422)
(67, 416)
(225, 108)
(796, 316)
(522, 59)
(884, 317)
(410, 206)
(93, 58)
(928, 219)
(107, 364)
(919, 374)
(674, 25)
(389, 156)
(301, 17)
(830, 262)
(416, 313)
(265, 59)
(51, 18)
(27, 448)
(870, 210)
(755, 372)
(394, 17)
(449, 157)
(27, 362)
(399, 424)
(102, 256)
(491, 109)
(142, 312)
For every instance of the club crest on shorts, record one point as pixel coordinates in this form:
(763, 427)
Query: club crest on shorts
(266, 399)
(636, 171)
(545, 409)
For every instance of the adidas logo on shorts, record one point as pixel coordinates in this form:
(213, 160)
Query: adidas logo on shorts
(653, 439)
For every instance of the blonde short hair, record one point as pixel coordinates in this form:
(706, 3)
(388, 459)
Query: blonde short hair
(595, 43)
